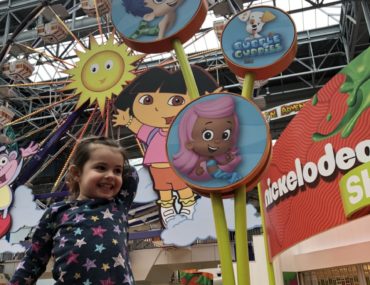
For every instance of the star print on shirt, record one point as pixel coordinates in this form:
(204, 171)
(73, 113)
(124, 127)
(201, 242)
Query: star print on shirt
(125, 193)
(89, 264)
(99, 248)
(46, 237)
(87, 282)
(61, 275)
(99, 231)
(78, 231)
(117, 229)
(36, 247)
(107, 214)
(80, 242)
(29, 280)
(20, 265)
(128, 278)
(63, 241)
(64, 218)
(94, 218)
(105, 267)
(107, 282)
(119, 261)
(79, 218)
(72, 258)
(54, 209)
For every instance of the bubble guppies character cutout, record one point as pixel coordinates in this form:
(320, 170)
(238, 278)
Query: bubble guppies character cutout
(10, 166)
(208, 137)
(150, 10)
(147, 107)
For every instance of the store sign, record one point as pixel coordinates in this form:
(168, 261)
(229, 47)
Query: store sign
(285, 110)
(355, 189)
(326, 166)
(319, 176)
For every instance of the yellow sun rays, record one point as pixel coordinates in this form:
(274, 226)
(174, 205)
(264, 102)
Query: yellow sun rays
(102, 72)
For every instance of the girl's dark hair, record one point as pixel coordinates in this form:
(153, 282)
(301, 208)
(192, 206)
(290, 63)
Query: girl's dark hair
(166, 81)
(82, 155)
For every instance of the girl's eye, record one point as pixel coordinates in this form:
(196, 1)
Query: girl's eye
(118, 171)
(158, 1)
(176, 101)
(207, 135)
(108, 64)
(100, 167)
(146, 100)
(226, 135)
(94, 68)
(3, 161)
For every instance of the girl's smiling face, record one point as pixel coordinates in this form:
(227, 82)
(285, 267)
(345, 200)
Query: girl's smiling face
(101, 175)
(158, 109)
(212, 137)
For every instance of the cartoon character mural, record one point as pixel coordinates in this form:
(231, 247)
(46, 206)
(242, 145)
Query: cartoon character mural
(150, 10)
(147, 107)
(10, 166)
(208, 136)
(255, 20)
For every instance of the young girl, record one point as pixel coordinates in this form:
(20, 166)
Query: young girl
(87, 236)
(208, 137)
(147, 107)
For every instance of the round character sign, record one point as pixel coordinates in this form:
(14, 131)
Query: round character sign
(150, 26)
(261, 40)
(219, 142)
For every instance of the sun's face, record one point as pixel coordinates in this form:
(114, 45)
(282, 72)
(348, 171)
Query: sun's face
(102, 71)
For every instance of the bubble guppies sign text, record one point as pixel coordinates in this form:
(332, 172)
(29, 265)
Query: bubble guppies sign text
(257, 47)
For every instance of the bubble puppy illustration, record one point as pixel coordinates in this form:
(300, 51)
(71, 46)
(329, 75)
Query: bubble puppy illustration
(208, 136)
(9, 170)
(147, 107)
(255, 21)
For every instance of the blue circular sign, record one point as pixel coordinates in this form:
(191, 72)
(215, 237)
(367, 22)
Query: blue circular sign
(258, 37)
(218, 142)
(142, 22)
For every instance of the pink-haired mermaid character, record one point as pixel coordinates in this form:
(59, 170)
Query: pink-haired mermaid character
(208, 136)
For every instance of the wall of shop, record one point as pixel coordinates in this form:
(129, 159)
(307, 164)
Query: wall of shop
(347, 244)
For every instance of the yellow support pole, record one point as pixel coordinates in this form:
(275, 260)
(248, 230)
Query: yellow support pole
(223, 240)
(241, 237)
(270, 268)
(222, 232)
(186, 70)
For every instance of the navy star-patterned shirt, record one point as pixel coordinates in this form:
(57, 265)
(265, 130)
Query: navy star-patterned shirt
(88, 240)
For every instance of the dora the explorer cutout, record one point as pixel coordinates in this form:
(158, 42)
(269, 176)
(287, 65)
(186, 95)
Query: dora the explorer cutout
(147, 107)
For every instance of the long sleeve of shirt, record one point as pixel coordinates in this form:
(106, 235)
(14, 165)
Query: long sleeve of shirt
(38, 254)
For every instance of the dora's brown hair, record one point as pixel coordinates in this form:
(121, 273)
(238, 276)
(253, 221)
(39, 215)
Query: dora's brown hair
(82, 155)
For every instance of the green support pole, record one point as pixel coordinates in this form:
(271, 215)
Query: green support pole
(270, 268)
(223, 240)
(186, 70)
(241, 239)
(248, 84)
(222, 232)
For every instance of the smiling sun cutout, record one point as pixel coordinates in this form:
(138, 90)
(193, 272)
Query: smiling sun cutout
(102, 71)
